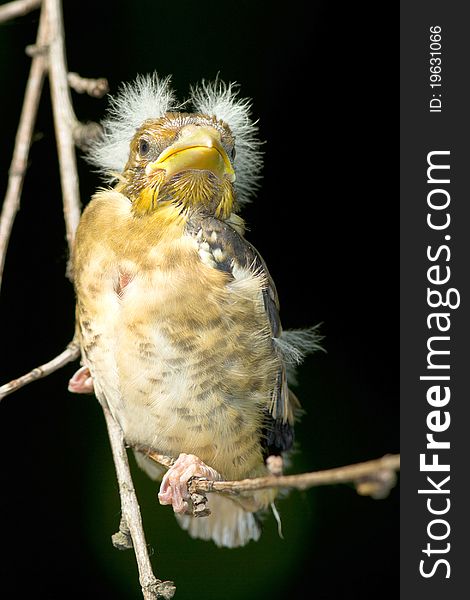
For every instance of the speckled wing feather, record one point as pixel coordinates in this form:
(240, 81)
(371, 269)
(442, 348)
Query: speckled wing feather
(227, 250)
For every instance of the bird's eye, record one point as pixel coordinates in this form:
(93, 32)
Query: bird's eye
(233, 153)
(144, 146)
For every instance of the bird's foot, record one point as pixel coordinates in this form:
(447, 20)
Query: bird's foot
(81, 382)
(174, 487)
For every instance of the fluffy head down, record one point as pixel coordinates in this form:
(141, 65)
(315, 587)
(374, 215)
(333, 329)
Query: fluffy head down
(149, 97)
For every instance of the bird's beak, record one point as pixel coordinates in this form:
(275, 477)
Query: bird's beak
(197, 148)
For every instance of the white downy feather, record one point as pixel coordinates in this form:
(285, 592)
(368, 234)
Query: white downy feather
(295, 344)
(227, 526)
(149, 97)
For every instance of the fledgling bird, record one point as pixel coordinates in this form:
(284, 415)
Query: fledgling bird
(178, 315)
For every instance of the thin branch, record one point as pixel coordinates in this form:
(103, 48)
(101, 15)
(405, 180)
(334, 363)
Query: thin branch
(65, 123)
(152, 587)
(18, 8)
(71, 353)
(24, 135)
(85, 133)
(96, 88)
(372, 478)
(369, 471)
(64, 119)
(49, 51)
(122, 540)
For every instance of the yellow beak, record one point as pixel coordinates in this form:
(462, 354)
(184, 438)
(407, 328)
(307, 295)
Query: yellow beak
(197, 148)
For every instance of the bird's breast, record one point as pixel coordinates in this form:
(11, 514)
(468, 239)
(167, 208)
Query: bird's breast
(182, 354)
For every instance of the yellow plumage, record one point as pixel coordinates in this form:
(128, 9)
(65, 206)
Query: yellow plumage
(183, 355)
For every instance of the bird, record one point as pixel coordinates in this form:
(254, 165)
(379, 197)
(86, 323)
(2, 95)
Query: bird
(177, 313)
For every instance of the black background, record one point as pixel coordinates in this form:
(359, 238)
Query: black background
(323, 80)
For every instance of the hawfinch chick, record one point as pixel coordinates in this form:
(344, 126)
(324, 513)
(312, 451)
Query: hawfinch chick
(178, 315)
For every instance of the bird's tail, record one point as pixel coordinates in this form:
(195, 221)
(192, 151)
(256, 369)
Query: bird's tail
(228, 525)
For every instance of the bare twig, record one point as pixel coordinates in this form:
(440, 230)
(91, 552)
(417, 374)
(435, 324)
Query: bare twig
(122, 540)
(49, 52)
(372, 478)
(18, 8)
(23, 140)
(358, 473)
(64, 118)
(161, 459)
(65, 124)
(72, 352)
(85, 133)
(151, 586)
(96, 88)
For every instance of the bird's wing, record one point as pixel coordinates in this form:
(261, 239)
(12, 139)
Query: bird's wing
(231, 251)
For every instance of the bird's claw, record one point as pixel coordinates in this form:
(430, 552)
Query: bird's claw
(81, 382)
(174, 486)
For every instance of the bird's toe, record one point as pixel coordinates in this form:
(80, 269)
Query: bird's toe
(174, 486)
(81, 382)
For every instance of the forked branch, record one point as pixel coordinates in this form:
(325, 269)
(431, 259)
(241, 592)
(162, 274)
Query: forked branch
(24, 135)
(48, 57)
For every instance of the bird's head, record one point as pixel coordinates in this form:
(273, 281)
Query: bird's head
(207, 160)
(181, 158)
